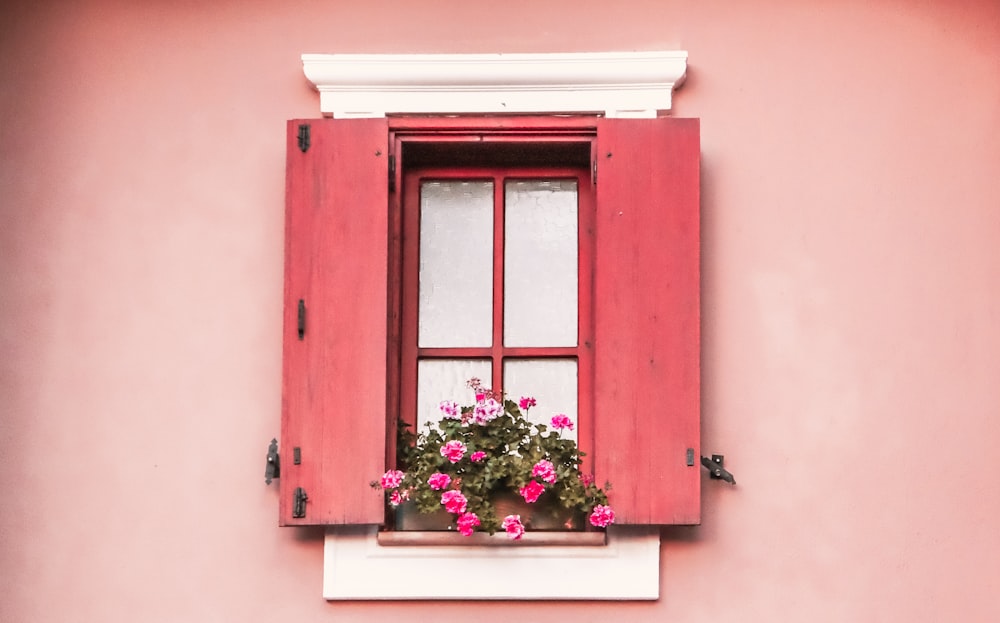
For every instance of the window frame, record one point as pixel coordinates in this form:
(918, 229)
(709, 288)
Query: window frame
(498, 352)
(538, 132)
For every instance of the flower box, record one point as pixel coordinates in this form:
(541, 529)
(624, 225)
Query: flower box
(484, 468)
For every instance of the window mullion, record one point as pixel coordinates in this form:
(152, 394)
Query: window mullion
(498, 284)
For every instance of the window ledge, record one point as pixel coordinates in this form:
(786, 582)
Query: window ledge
(481, 539)
(356, 566)
(616, 84)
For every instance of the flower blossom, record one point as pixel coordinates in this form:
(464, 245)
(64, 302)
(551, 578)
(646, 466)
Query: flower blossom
(561, 421)
(439, 481)
(482, 393)
(450, 409)
(587, 479)
(392, 479)
(531, 491)
(454, 501)
(512, 524)
(467, 523)
(454, 450)
(486, 410)
(477, 456)
(526, 403)
(544, 470)
(399, 496)
(602, 516)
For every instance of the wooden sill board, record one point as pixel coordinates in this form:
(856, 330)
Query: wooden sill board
(500, 539)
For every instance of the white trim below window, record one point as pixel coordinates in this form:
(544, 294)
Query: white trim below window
(355, 566)
(615, 84)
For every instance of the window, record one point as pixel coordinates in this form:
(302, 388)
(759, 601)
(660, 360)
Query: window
(474, 302)
(346, 318)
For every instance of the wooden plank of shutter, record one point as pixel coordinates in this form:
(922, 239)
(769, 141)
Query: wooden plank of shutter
(334, 378)
(647, 316)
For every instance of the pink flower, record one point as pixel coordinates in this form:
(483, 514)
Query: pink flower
(512, 524)
(602, 516)
(531, 491)
(399, 496)
(392, 479)
(526, 403)
(467, 523)
(477, 456)
(450, 409)
(454, 501)
(587, 479)
(486, 410)
(453, 451)
(561, 421)
(544, 470)
(439, 481)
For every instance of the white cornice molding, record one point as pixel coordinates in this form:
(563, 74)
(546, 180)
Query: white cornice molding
(616, 84)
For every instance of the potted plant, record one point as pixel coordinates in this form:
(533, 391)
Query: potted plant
(479, 459)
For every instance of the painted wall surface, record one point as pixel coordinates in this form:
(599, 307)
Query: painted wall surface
(851, 224)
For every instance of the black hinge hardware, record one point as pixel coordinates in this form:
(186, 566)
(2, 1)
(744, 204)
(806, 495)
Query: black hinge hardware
(593, 179)
(273, 468)
(304, 137)
(299, 506)
(690, 457)
(392, 173)
(302, 319)
(297, 456)
(715, 469)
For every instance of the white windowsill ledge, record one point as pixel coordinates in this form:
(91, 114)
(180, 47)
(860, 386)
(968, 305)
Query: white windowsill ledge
(357, 567)
(615, 84)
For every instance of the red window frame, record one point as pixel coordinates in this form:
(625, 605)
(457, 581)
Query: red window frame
(343, 224)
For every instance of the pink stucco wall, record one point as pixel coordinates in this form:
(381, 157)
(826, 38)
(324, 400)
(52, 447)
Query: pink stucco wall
(851, 200)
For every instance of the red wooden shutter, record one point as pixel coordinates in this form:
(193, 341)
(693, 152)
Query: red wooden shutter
(646, 325)
(334, 376)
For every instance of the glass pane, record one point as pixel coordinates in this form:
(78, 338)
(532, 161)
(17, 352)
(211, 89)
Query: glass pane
(540, 263)
(456, 264)
(446, 379)
(551, 382)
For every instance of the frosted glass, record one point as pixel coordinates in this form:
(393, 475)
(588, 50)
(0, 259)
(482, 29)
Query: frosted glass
(551, 382)
(446, 379)
(456, 264)
(540, 263)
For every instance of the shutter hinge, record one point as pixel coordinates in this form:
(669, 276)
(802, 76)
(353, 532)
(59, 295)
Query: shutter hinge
(593, 179)
(299, 503)
(302, 319)
(304, 136)
(715, 469)
(273, 468)
(392, 173)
